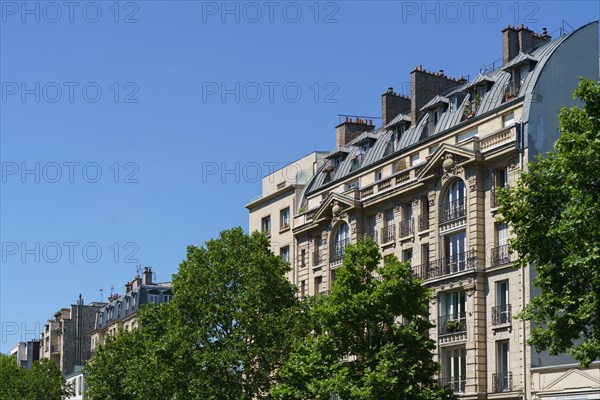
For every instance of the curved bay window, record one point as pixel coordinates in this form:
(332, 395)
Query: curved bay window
(454, 205)
(341, 239)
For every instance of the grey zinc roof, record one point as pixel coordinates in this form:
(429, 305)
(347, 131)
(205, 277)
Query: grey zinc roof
(499, 80)
(434, 102)
(519, 59)
(399, 118)
(337, 151)
(363, 137)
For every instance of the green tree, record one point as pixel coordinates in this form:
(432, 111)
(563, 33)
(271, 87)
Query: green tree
(370, 336)
(230, 324)
(554, 210)
(42, 382)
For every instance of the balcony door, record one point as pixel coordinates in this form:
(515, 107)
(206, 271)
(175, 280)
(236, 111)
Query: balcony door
(456, 247)
(455, 369)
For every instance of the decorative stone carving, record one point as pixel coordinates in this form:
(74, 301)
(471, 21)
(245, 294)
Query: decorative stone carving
(513, 164)
(335, 208)
(379, 214)
(450, 167)
(431, 198)
(398, 208)
(324, 238)
(472, 183)
(353, 227)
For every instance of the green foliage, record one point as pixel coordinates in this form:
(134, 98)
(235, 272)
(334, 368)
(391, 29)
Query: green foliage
(230, 324)
(42, 382)
(555, 213)
(358, 348)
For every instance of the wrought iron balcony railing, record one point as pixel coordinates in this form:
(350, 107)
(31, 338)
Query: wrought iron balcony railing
(501, 314)
(406, 227)
(500, 255)
(455, 383)
(453, 210)
(447, 266)
(451, 324)
(388, 234)
(423, 222)
(338, 249)
(502, 382)
(317, 257)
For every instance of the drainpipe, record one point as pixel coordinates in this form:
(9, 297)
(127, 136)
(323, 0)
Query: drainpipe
(524, 323)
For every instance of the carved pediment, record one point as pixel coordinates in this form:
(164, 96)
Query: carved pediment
(335, 207)
(446, 162)
(575, 378)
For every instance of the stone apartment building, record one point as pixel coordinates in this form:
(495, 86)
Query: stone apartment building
(122, 310)
(26, 353)
(65, 339)
(423, 186)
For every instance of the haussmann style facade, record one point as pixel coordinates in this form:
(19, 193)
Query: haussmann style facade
(423, 187)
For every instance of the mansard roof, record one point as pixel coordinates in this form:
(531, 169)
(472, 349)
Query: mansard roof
(386, 143)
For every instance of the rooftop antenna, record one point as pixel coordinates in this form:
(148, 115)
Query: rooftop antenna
(112, 287)
(101, 294)
(154, 277)
(138, 269)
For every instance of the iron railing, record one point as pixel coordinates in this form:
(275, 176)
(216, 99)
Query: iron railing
(406, 227)
(388, 234)
(453, 210)
(500, 255)
(317, 257)
(446, 266)
(502, 382)
(501, 314)
(423, 222)
(451, 324)
(455, 383)
(338, 249)
(493, 196)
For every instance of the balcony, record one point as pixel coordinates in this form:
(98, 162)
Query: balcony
(317, 257)
(406, 228)
(423, 222)
(338, 250)
(453, 210)
(501, 314)
(500, 255)
(372, 235)
(502, 382)
(493, 198)
(456, 383)
(388, 234)
(452, 324)
(447, 265)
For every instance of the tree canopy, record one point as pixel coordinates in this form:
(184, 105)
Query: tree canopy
(42, 382)
(370, 336)
(554, 211)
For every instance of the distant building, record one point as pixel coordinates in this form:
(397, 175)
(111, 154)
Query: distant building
(423, 186)
(66, 338)
(26, 353)
(77, 381)
(121, 311)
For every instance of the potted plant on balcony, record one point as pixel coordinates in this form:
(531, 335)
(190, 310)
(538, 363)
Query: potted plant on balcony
(453, 325)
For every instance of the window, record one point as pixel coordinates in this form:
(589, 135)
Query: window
(452, 313)
(119, 310)
(284, 217)
(501, 313)
(353, 185)
(467, 135)
(415, 159)
(265, 224)
(153, 298)
(407, 256)
(318, 284)
(500, 254)
(456, 252)
(378, 175)
(453, 103)
(501, 177)
(285, 254)
(454, 369)
(425, 254)
(167, 298)
(303, 258)
(303, 288)
(341, 239)
(502, 379)
(406, 226)
(388, 232)
(372, 227)
(434, 148)
(127, 303)
(454, 205)
(508, 119)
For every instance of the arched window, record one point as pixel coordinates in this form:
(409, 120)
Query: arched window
(454, 205)
(341, 239)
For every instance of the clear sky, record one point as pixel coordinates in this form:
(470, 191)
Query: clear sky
(132, 129)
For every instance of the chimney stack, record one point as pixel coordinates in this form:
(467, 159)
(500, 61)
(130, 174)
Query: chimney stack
(128, 286)
(521, 39)
(349, 130)
(425, 85)
(393, 104)
(147, 276)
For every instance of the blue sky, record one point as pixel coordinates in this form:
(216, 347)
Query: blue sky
(113, 112)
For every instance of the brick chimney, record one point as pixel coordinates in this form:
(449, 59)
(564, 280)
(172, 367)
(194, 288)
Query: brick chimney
(521, 39)
(393, 104)
(147, 276)
(128, 287)
(425, 85)
(349, 130)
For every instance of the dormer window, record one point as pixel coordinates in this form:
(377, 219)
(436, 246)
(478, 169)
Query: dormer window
(453, 103)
